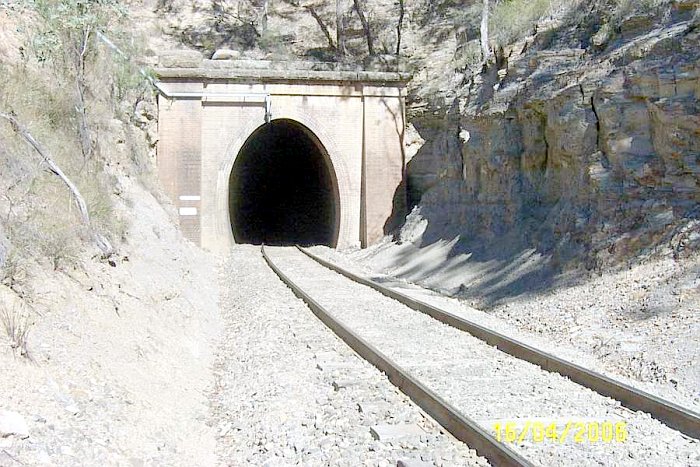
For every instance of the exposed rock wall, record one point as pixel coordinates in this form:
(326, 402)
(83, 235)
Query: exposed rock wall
(583, 142)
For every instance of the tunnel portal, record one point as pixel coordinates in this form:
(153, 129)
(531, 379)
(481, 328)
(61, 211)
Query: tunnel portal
(282, 188)
(323, 162)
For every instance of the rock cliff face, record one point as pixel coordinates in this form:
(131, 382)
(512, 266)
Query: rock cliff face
(581, 142)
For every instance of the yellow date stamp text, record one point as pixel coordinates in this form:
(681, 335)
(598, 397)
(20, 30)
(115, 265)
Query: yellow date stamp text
(572, 431)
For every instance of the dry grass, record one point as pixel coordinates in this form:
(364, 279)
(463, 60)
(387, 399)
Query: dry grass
(40, 219)
(103, 216)
(512, 20)
(16, 322)
(469, 56)
(13, 273)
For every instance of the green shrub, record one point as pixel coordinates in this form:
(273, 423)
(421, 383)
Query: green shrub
(103, 216)
(469, 55)
(512, 20)
(60, 246)
(275, 43)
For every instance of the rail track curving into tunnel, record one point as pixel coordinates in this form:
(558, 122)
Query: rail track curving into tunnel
(513, 404)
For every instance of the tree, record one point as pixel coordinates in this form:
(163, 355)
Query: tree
(365, 26)
(399, 27)
(66, 35)
(321, 24)
(485, 48)
(340, 33)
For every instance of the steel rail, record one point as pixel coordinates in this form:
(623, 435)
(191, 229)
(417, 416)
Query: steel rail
(461, 426)
(671, 414)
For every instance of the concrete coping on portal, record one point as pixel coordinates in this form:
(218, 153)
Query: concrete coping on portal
(276, 71)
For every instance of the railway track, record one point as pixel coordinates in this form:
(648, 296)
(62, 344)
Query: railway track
(511, 411)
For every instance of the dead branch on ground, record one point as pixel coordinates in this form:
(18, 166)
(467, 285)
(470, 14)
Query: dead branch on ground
(102, 243)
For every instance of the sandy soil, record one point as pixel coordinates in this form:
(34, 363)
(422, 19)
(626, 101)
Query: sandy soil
(120, 355)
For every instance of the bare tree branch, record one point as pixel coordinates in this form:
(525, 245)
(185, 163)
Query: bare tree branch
(102, 243)
(322, 25)
(365, 26)
(340, 33)
(81, 86)
(399, 27)
(265, 14)
(485, 48)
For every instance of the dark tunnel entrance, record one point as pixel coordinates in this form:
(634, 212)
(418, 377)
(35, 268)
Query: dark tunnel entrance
(282, 188)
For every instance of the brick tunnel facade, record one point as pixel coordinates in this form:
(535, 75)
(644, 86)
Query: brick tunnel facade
(282, 156)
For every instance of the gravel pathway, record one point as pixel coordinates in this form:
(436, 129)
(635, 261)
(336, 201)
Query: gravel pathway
(288, 392)
(486, 384)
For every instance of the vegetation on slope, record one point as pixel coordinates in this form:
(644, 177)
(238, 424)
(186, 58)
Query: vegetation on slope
(67, 91)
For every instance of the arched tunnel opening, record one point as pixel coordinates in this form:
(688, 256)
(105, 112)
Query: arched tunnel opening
(282, 189)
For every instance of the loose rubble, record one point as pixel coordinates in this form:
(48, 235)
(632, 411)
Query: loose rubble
(288, 392)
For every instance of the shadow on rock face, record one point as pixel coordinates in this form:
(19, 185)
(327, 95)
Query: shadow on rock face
(526, 182)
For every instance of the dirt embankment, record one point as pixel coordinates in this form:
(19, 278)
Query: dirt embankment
(119, 357)
(104, 360)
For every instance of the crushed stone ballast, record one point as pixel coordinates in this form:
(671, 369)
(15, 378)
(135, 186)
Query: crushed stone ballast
(473, 388)
(673, 415)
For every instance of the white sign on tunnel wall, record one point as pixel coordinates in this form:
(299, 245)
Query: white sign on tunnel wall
(188, 211)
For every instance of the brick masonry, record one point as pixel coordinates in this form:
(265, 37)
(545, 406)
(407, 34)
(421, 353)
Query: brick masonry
(359, 124)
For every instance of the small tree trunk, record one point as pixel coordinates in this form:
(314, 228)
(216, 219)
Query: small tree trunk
(399, 27)
(340, 33)
(81, 87)
(485, 49)
(365, 26)
(265, 15)
(322, 25)
(101, 242)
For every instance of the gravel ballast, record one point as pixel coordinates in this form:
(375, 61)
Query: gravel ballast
(484, 383)
(639, 325)
(288, 392)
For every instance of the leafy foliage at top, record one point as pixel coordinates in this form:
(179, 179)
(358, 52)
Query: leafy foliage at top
(65, 24)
